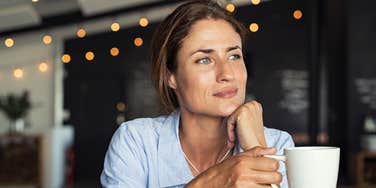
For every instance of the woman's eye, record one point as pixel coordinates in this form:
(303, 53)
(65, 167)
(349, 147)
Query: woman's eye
(205, 60)
(235, 57)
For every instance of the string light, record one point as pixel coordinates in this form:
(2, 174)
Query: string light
(255, 2)
(47, 39)
(81, 33)
(138, 41)
(144, 22)
(9, 42)
(66, 58)
(253, 27)
(115, 27)
(114, 51)
(18, 73)
(89, 55)
(43, 67)
(230, 7)
(298, 14)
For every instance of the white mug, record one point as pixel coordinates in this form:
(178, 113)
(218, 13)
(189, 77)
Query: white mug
(310, 166)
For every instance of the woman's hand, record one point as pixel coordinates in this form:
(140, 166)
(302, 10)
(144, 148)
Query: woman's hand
(247, 124)
(248, 169)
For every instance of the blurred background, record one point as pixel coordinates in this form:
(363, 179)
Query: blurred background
(72, 70)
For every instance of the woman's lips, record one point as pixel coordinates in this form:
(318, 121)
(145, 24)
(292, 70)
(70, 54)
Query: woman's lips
(227, 93)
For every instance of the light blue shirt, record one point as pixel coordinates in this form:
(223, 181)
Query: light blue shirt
(146, 152)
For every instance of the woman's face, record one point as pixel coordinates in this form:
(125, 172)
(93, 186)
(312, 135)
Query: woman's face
(211, 75)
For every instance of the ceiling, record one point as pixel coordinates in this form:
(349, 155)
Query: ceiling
(21, 14)
(25, 16)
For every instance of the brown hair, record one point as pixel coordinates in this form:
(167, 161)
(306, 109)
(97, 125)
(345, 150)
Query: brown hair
(169, 36)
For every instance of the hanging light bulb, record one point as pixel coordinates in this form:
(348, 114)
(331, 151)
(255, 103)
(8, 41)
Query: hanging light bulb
(298, 14)
(66, 58)
(18, 73)
(47, 39)
(81, 33)
(253, 27)
(230, 7)
(114, 51)
(143, 22)
(138, 41)
(9, 42)
(89, 55)
(255, 2)
(115, 26)
(43, 67)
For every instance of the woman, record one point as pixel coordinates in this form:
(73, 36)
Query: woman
(211, 137)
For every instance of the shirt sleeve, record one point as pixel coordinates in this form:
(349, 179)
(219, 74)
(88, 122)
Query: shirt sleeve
(123, 163)
(284, 141)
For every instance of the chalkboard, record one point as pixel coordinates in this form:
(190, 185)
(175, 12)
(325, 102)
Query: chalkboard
(366, 91)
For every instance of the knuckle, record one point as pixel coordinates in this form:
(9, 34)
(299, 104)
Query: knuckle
(241, 161)
(258, 150)
(255, 103)
(238, 160)
(275, 165)
(244, 109)
(251, 104)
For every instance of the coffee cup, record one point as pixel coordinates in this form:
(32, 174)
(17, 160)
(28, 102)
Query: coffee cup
(310, 166)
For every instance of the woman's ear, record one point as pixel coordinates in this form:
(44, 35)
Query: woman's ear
(171, 80)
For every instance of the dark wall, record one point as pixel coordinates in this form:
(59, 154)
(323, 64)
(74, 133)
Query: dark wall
(361, 74)
(277, 62)
(93, 89)
(361, 65)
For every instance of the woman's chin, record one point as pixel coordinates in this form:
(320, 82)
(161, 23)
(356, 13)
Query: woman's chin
(225, 111)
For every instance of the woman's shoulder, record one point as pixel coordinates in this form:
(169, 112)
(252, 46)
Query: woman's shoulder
(143, 125)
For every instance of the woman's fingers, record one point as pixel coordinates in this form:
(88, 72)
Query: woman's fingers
(258, 162)
(247, 169)
(259, 151)
(231, 123)
(261, 177)
(261, 169)
(246, 125)
(253, 185)
(265, 164)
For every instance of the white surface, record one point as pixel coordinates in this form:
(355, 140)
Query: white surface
(40, 85)
(55, 142)
(312, 167)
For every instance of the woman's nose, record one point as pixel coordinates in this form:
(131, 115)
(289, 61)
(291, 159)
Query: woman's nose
(225, 71)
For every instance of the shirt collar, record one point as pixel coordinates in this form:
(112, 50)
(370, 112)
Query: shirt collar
(172, 167)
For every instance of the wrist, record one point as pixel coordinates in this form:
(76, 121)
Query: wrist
(203, 180)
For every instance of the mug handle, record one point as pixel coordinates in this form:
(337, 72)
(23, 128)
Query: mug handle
(279, 158)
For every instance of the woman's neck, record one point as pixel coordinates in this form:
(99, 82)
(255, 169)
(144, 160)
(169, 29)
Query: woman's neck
(203, 139)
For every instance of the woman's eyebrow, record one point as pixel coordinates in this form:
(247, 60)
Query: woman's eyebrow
(207, 51)
(233, 48)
